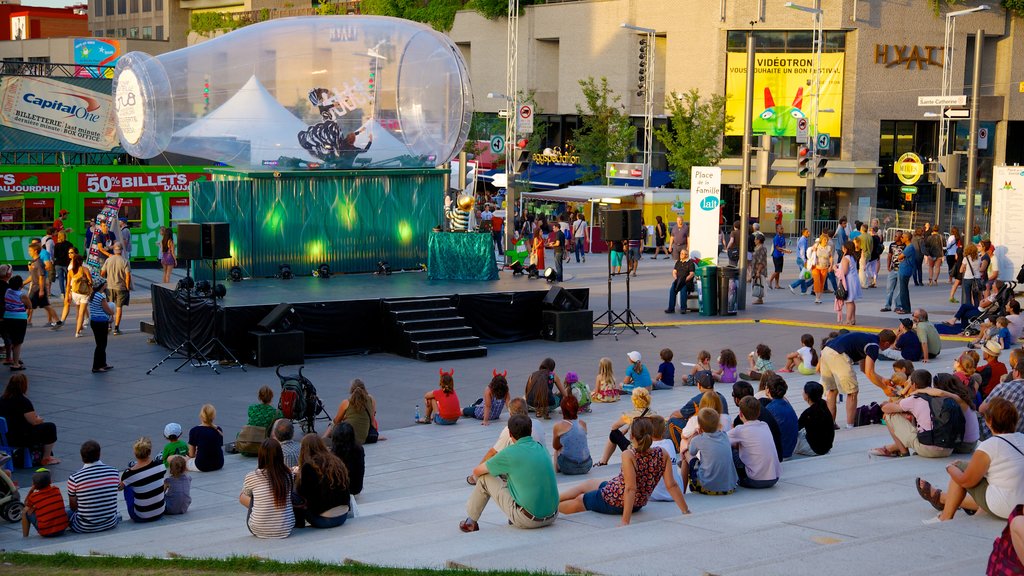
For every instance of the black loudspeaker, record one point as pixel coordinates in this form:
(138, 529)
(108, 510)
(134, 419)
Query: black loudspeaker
(623, 225)
(281, 319)
(562, 326)
(559, 298)
(190, 241)
(272, 349)
(216, 241)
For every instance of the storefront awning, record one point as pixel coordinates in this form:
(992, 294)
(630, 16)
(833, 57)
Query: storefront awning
(543, 177)
(585, 194)
(659, 178)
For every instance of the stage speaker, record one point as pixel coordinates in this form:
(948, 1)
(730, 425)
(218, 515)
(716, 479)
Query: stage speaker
(190, 241)
(281, 319)
(274, 348)
(564, 326)
(623, 225)
(216, 241)
(559, 298)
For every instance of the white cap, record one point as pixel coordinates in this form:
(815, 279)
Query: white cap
(634, 356)
(172, 429)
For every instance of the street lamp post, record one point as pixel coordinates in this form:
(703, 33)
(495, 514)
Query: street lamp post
(817, 44)
(648, 74)
(511, 118)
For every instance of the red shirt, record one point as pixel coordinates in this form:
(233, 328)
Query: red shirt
(995, 370)
(48, 506)
(447, 405)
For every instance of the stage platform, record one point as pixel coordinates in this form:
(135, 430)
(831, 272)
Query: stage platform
(364, 313)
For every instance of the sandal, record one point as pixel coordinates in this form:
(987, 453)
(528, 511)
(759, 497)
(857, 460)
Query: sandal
(471, 480)
(596, 464)
(468, 525)
(885, 452)
(423, 421)
(927, 492)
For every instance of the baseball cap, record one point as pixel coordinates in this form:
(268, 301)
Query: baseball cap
(172, 429)
(704, 379)
(633, 356)
(63, 212)
(907, 323)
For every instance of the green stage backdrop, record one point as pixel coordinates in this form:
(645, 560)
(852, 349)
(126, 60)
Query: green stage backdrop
(350, 220)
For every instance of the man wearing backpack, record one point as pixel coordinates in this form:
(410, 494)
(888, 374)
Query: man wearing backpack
(930, 426)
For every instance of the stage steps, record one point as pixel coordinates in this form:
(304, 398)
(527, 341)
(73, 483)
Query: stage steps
(430, 329)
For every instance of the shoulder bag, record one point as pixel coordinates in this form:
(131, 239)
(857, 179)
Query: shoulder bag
(372, 435)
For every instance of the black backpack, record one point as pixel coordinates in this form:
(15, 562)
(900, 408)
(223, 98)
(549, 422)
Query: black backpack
(948, 423)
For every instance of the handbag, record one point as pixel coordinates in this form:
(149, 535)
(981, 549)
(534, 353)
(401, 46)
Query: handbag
(757, 289)
(80, 286)
(249, 439)
(841, 292)
(975, 285)
(372, 434)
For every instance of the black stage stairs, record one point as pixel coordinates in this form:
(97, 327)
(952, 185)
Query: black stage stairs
(430, 329)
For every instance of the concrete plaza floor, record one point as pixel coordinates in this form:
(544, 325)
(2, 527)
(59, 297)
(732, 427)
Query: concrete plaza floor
(843, 513)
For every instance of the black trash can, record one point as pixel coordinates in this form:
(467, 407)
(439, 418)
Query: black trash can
(707, 290)
(728, 290)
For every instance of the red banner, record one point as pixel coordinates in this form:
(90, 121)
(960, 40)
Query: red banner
(22, 182)
(135, 182)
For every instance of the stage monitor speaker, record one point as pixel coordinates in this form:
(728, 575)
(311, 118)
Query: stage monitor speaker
(562, 326)
(216, 241)
(623, 225)
(559, 298)
(281, 319)
(272, 349)
(190, 241)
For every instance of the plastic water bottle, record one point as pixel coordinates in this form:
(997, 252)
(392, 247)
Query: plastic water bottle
(417, 412)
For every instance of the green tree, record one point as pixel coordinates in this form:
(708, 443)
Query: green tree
(693, 135)
(606, 135)
(483, 126)
(494, 9)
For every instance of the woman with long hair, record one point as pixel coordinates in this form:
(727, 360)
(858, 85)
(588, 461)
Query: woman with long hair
(822, 253)
(16, 307)
(954, 249)
(493, 403)
(167, 258)
(344, 446)
(970, 273)
(322, 485)
(359, 410)
(266, 493)
(846, 273)
(24, 426)
(77, 291)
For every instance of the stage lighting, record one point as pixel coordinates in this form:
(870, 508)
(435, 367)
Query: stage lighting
(383, 268)
(235, 274)
(532, 271)
(517, 269)
(203, 288)
(322, 271)
(219, 291)
(549, 274)
(186, 284)
(284, 272)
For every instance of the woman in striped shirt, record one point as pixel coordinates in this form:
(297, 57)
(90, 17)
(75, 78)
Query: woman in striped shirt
(16, 306)
(143, 484)
(266, 493)
(99, 318)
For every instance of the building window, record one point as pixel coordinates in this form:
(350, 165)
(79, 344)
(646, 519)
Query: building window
(147, 32)
(110, 7)
(122, 6)
(97, 33)
(122, 32)
(160, 33)
(135, 6)
(147, 5)
(133, 32)
(785, 41)
(159, 5)
(98, 7)
(110, 33)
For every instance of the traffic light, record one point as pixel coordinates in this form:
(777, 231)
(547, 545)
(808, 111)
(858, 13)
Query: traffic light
(949, 171)
(521, 156)
(821, 169)
(803, 156)
(765, 159)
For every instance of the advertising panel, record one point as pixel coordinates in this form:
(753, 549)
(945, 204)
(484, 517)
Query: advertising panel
(705, 203)
(58, 110)
(1007, 206)
(93, 53)
(29, 182)
(135, 182)
(784, 92)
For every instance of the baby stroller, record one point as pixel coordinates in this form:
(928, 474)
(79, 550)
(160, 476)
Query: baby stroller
(10, 500)
(299, 400)
(994, 311)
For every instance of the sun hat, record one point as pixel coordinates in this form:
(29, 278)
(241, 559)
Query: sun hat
(633, 356)
(993, 348)
(172, 429)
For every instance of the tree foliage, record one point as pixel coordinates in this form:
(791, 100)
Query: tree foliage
(606, 134)
(494, 9)
(693, 135)
(1015, 6)
(438, 13)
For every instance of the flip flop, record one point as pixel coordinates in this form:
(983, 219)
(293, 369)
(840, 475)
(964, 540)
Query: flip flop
(596, 464)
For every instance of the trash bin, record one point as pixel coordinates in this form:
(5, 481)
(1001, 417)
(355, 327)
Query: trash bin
(707, 290)
(728, 287)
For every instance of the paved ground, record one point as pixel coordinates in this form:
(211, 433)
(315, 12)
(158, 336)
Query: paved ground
(845, 513)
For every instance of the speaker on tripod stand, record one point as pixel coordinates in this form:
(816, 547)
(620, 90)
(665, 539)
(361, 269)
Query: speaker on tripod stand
(621, 226)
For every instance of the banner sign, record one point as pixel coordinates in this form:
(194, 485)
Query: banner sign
(28, 182)
(705, 204)
(58, 110)
(1007, 206)
(92, 54)
(784, 92)
(135, 182)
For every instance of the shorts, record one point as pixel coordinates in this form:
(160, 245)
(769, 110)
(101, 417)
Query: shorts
(634, 253)
(39, 301)
(837, 372)
(777, 262)
(594, 502)
(15, 328)
(695, 484)
(659, 242)
(120, 297)
(616, 259)
(805, 370)
(79, 299)
(444, 421)
(906, 432)
(979, 491)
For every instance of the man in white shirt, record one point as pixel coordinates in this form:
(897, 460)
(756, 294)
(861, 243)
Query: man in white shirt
(754, 454)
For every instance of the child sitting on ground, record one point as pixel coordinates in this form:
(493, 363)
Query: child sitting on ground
(896, 386)
(727, 366)
(805, 359)
(660, 493)
(762, 385)
(579, 390)
(816, 427)
(606, 387)
(177, 487)
(175, 446)
(637, 375)
(760, 362)
(692, 428)
(708, 461)
(703, 365)
(1003, 334)
(44, 507)
(442, 404)
(665, 379)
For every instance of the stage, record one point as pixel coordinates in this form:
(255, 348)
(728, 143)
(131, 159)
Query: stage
(404, 313)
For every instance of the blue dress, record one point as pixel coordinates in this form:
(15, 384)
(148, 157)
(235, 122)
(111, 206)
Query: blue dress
(852, 281)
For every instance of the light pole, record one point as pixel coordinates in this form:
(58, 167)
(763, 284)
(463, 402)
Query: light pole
(511, 94)
(972, 141)
(647, 72)
(947, 86)
(818, 42)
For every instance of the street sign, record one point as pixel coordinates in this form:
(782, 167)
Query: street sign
(982, 138)
(801, 131)
(824, 140)
(909, 168)
(497, 144)
(908, 190)
(960, 100)
(503, 113)
(524, 123)
(624, 170)
(958, 113)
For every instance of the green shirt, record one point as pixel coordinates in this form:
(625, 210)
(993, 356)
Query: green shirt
(531, 476)
(926, 332)
(263, 415)
(178, 447)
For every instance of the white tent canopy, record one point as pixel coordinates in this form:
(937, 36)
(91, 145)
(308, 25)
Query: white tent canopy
(585, 194)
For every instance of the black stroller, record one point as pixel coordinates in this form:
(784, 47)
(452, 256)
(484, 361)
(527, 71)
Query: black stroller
(300, 402)
(994, 310)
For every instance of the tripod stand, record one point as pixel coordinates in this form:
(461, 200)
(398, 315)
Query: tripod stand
(628, 318)
(192, 353)
(214, 343)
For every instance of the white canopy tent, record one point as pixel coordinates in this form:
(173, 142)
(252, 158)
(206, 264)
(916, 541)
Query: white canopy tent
(584, 193)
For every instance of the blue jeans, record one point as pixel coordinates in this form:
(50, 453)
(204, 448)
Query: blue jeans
(498, 239)
(61, 280)
(803, 284)
(32, 520)
(831, 279)
(892, 294)
(918, 275)
(317, 521)
(676, 288)
(659, 385)
(559, 260)
(573, 468)
(579, 250)
(968, 293)
(745, 481)
(904, 293)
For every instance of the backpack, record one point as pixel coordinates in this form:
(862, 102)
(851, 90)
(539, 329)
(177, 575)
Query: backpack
(292, 402)
(948, 423)
(868, 414)
(582, 393)
(876, 249)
